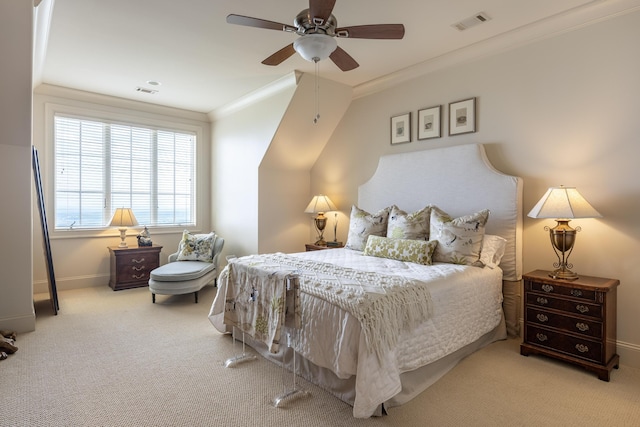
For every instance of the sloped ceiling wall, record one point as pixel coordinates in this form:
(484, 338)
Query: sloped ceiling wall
(259, 206)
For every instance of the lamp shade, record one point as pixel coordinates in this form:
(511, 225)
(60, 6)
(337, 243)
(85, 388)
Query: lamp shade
(563, 202)
(123, 217)
(315, 47)
(320, 203)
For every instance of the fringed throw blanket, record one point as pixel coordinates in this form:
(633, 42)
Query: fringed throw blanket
(383, 304)
(262, 296)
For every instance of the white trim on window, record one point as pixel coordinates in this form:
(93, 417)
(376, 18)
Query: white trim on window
(159, 131)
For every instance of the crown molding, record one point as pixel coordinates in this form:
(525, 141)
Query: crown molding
(567, 21)
(289, 81)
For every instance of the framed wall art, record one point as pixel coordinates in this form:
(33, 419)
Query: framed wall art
(401, 128)
(462, 116)
(429, 120)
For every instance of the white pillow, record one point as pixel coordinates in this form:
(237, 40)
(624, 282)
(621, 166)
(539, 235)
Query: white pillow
(413, 226)
(362, 224)
(493, 248)
(459, 239)
(196, 247)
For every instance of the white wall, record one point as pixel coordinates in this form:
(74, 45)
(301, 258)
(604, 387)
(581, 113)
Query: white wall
(261, 161)
(80, 258)
(241, 140)
(285, 189)
(16, 293)
(559, 111)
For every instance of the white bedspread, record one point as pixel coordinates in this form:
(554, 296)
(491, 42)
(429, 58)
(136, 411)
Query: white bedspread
(466, 304)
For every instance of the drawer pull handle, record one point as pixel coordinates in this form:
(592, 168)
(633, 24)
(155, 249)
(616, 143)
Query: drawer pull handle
(138, 276)
(547, 288)
(137, 261)
(576, 292)
(541, 337)
(582, 348)
(542, 300)
(142, 267)
(582, 327)
(541, 317)
(582, 308)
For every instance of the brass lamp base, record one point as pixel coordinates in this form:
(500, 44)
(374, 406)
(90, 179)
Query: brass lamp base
(562, 239)
(320, 223)
(564, 274)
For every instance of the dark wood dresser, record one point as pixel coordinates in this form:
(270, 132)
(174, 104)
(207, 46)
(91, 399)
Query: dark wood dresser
(574, 321)
(130, 267)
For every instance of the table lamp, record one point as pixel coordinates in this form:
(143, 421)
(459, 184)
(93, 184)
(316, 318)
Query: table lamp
(319, 205)
(123, 218)
(563, 204)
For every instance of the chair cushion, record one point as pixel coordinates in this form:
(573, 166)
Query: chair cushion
(181, 270)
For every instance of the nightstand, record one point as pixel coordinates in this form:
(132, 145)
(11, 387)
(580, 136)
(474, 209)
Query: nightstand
(130, 267)
(312, 247)
(573, 321)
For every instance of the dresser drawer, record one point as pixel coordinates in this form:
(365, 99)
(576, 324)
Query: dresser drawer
(550, 289)
(569, 306)
(576, 325)
(135, 267)
(559, 342)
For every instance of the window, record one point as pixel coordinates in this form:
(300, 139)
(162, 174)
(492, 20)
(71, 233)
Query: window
(102, 165)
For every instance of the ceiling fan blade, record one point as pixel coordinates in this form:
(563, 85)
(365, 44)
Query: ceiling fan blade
(280, 56)
(258, 23)
(321, 10)
(379, 31)
(343, 60)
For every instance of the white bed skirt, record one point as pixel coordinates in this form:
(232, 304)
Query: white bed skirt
(413, 382)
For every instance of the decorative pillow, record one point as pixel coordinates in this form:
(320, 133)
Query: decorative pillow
(416, 251)
(414, 226)
(492, 250)
(196, 247)
(459, 239)
(363, 224)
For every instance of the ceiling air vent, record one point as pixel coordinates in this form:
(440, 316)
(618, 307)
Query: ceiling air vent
(472, 21)
(145, 90)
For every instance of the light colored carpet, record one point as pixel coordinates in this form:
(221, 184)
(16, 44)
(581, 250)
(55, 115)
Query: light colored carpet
(115, 359)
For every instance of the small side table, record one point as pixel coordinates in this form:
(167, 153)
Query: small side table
(313, 247)
(573, 321)
(130, 267)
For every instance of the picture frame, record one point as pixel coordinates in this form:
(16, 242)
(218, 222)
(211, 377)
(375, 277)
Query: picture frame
(401, 129)
(462, 116)
(429, 122)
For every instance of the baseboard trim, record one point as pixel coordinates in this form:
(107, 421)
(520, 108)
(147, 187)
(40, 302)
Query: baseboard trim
(67, 283)
(19, 324)
(629, 354)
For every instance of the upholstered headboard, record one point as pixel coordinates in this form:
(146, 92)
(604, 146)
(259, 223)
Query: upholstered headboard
(460, 180)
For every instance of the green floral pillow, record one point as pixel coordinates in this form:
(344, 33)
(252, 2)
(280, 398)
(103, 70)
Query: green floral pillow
(414, 226)
(196, 247)
(416, 251)
(459, 239)
(362, 224)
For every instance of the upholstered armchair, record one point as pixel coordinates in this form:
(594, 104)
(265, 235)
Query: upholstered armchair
(192, 267)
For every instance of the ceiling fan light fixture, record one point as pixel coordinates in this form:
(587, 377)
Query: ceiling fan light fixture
(315, 47)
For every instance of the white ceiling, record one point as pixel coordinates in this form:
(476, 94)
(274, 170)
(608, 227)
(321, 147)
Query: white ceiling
(203, 64)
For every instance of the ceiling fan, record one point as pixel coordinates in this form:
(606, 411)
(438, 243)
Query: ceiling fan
(317, 29)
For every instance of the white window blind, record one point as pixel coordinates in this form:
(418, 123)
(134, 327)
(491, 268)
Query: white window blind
(101, 166)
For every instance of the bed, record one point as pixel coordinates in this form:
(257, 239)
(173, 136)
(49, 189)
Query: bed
(372, 325)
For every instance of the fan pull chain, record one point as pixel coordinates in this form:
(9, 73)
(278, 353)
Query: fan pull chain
(317, 89)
